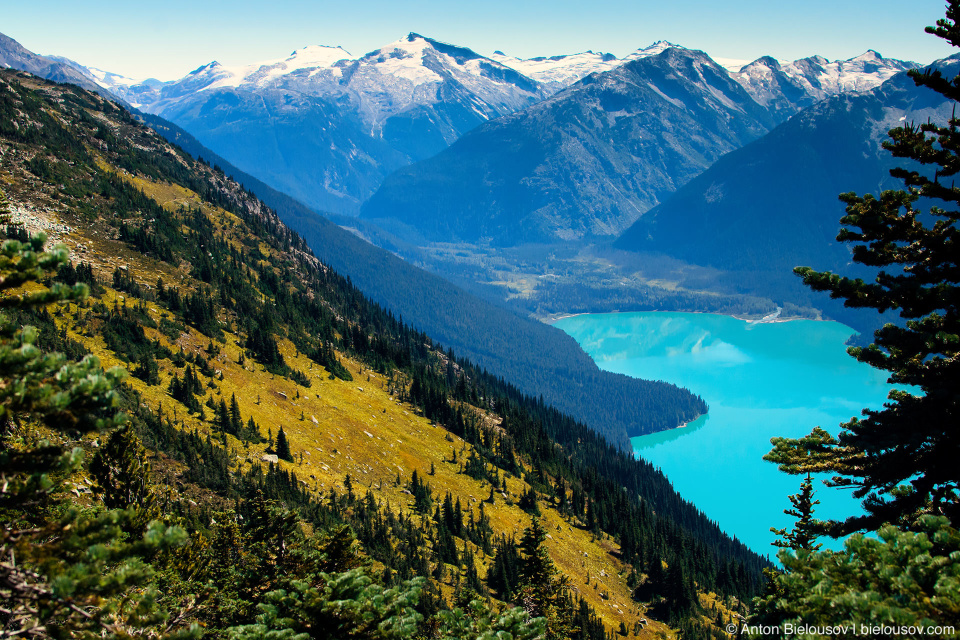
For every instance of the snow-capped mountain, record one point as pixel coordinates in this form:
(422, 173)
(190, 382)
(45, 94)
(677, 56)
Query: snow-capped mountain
(412, 71)
(558, 72)
(105, 79)
(772, 205)
(585, 163)
(656, 48)
(596, 156)
(314, 70)
(129, 90)
(787, 87)
(326, 126)
(385, 82)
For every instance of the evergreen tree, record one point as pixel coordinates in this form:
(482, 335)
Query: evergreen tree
(478, 620)
(899, 578)
(902, 459)
(804, 532)
(64, 572)
(345, 605)
(283, 447)
(543, 591)
(123, 476)
(679, 592)
(236, 421)
(147, 369)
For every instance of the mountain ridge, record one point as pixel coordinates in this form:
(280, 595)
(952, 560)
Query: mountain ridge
(722, 218)
(363, 117)
(560, 371)
(15, 55)
(587, 161)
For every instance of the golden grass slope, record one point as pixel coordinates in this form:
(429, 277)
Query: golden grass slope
(335, 428)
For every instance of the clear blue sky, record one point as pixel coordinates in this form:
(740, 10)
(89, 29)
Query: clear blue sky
(169, 38)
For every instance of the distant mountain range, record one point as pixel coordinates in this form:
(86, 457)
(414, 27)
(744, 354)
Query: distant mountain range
(586, 162)
(569, 149)
(542, 360)
(328, 127)
(785, 88)
(773, 205)
(592, 159)
(558, 72)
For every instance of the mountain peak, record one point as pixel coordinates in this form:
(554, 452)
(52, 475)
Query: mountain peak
(313, 48)
(410, 45)
(654, 49)
(16, 56)
(764, 61)
(319, 55)
(789, 86)
(868, 56)
(660, 46)
(213, 64)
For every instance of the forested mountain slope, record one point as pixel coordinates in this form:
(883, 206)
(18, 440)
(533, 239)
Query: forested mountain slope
(540, 360)
(243, 346)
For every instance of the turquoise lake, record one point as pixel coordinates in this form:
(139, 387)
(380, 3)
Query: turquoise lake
(760, 380)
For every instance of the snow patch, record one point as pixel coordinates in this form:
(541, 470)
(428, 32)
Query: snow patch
(560, 71)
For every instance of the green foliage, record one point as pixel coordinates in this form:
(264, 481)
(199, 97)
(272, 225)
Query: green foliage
(902, 579)
(39, 384)
(324, 355)
(479, 622)
(346, 605)
(187, 389)
(504, 575)
(121, 473)
(64, 572)
(901, 460)
(283, 446)
(542, 590)
(260, 277)
(422, 500)
(805, 531)
(76, 577)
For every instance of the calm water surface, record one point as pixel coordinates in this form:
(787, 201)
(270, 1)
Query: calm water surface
(760, 380)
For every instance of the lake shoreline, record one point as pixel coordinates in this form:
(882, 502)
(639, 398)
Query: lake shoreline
(779, 379)
(554, 318)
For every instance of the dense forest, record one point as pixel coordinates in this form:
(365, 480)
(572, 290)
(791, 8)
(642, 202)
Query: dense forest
(538, 359)
(239, 544)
